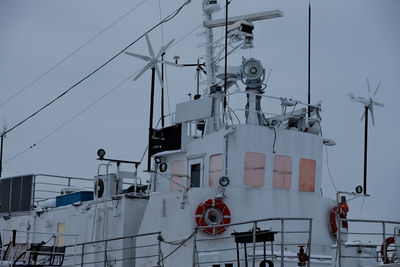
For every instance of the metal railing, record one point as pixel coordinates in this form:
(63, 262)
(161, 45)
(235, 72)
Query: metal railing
(277, 226)
(21, 247)
(108, 252)
(376, 235)
(48, 187)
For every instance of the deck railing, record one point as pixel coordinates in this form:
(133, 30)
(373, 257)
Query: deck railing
(48, 187)
(278, 226)
(378, 234)
(121, 251)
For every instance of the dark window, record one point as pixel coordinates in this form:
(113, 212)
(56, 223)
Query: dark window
(216, 265)
(228, 264)
(195, 175)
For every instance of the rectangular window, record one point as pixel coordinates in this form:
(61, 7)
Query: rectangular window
(60, 230)
(195, 172)
(282, 172)
(307, 175)
(177, 177)
(215, 169)
(254, 169)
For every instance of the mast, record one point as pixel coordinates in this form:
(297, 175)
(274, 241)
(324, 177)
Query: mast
(365, 149)
(153, 71)
(1, 154)
(309, 59)
(209, 7)
(213, 124)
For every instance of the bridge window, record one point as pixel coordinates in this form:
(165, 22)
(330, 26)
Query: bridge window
(254, 169)
(282, 172)
(177, 177)
(307, 175)
(215, 169)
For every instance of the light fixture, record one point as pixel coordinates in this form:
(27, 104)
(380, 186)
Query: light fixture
(223, 181)
(252, 69)
(157, 160)
(328, 142)
(101, 153)
(359, 189)
(163, 167)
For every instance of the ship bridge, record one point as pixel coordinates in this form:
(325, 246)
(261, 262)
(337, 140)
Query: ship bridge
(251, 148)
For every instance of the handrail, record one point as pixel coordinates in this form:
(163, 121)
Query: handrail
(115, 238)
(383, 233)
(306, 242)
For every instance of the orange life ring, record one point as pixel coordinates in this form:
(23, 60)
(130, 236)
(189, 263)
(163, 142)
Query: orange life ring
(384, 249)
(213, 212)
(340, 210)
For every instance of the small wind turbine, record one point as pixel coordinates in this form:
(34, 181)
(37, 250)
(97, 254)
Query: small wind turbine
(153, 59)
(369, 104)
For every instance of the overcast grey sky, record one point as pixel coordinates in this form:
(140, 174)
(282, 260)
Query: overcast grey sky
(351, 40)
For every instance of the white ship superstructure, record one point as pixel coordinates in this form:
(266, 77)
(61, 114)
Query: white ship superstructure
(227, 186)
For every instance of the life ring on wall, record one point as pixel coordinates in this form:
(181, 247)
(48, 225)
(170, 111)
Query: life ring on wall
(340, 210)
(99, 188)
(213, 212)
(384, 249)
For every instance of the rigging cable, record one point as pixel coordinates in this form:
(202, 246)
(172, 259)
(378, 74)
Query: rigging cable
(71, 54)
(91, 105)
(329, 170)
(72, 118)
(166, 19)
(163, 69)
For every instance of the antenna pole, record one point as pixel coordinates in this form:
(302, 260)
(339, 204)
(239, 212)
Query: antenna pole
(226, 50)
(365, 149)
(153, 71)
(162, 89)
(1, 154)
(198, 77)
(309, 58)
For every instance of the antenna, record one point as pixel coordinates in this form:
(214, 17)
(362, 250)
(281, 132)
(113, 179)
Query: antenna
(309, 59)
(2, 136)
(369, 104)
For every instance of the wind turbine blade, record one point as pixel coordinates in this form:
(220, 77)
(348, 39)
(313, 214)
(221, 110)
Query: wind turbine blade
(165, 48)
(171, 64)
(362, 117)
(352, 97)
(377, 104)
(369, 89)
(371, 109)
(143, 71)
(151, 51)
(145, 58)
(377, 88)
(159, 74)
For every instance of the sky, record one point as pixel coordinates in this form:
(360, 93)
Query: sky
(351, 41)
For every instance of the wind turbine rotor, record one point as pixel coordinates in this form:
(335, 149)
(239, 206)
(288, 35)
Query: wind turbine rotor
(153, 59)
(369, 103)
(149, 46)
(377, 88)
(148, 66)
(145, 58)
